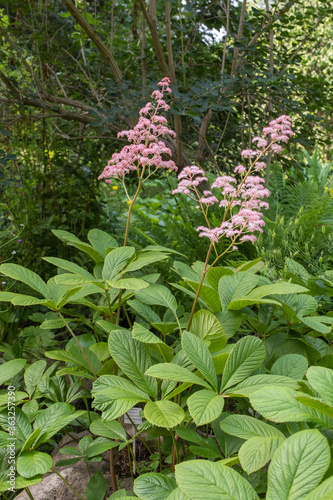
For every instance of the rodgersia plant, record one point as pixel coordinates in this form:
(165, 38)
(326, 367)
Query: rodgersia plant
(145, 152)
(241, 198)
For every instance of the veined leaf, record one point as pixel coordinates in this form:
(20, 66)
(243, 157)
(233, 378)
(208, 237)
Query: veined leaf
(9, 369)
(128, 284)
(316, 404)
(145, 259)
(246, 427)
(236, 286)
(290, 365)
(158, 295)
(115, 261)
(200, 356)
(111, 430)
(31, 463)
(258, 451)
(298, 466)
(323, 492)
(153, 486)
(133, 359)
(205, 325)
(256, 382)
(205, 406)
(26, 276)
(101, 241)
(172, 371)
(164, 414)
(247, 355)
(142, 334)
(280, 405)
(201, 479)
(321, 379)
(96, 488)
(144, 311)
(69, 266)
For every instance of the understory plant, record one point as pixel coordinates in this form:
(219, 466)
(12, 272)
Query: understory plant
(238, 380)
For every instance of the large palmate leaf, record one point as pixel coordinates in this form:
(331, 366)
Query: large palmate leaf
(298, 466)
(256, 452)
(201, 479)
(133, 358)
(290, 365)
(205, 325)
(247, 355)
(115, 261)
(153, 486)
(200, 356)
(26, 276)
(31, 463)
(280, 405)
(247, 427)
(164, 413)
(205, 406)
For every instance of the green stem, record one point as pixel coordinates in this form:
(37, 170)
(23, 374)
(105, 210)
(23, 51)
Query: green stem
(78, 343)
(28, 492)
(109, 304)
(199, 287)
(68, 484)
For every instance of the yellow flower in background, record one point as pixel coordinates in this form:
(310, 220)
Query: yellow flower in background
(128, 202)
(114, 188)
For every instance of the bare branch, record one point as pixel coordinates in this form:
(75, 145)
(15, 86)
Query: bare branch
(108, 56)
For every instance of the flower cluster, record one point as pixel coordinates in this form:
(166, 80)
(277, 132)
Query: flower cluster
(146, 147)
(242, 197)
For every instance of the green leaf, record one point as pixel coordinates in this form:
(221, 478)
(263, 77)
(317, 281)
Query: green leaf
(26, 276)
(9, 369)
(246, 427)
(177, 495)
(133, 359)
(101, 241)
(31, 463)
(201, 479)
(236, 286)
(257, 452)
(208, 295)
(164, 414)
(153, 486)
(54, 418)
(142, 334)
(298, 466)
(128, 284)
(322, 492)
(115, 261)
(144, 311)
(256, 382)
(69, 266)
(158, 295)
(111, 430)
(145, 259)
(290, 365)
(316, 404)
(280, 405)
(321, 379)
(99, 446)
(171, 371)
(278, 288)
(199, 355)
(317, 323)
(73, 241)
(205, 406)
(33, 374)
(52, 324)
(96, 488)
(247, 355)
(115, 396)
(206, 326)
